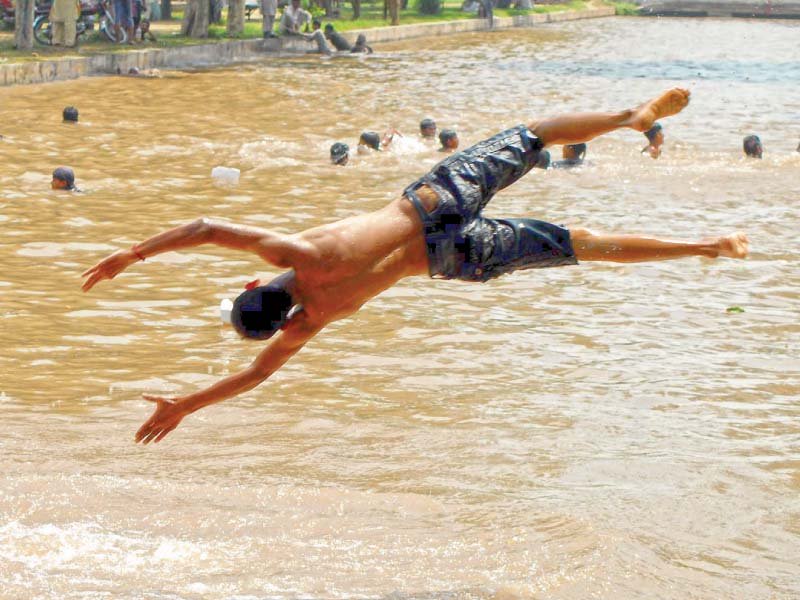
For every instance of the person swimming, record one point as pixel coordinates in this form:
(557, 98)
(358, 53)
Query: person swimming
(340, 154)
(571, 156)
(63, 179)
(427, 128)
(655, 138)
(70, 114)
(752, 146)
(449, 140)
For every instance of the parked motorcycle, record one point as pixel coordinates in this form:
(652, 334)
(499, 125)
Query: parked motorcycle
(92, 11)
(7, 12)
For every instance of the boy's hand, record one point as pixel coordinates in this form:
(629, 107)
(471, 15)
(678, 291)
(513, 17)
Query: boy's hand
(108, 268)
(167, 416)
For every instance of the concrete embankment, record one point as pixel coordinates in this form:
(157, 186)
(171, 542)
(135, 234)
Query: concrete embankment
(224, 53)
(766, 9)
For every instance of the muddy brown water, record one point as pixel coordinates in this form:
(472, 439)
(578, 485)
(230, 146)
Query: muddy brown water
(601, 431)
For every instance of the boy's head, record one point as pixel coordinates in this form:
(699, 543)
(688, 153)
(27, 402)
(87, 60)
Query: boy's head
(449, 139)
(340, 153)
(316, 24)
(329, 28)
(70, 114)
(573, 151)
(258, 313)
(655, 135)
(370, 139)
(63, 179)
(543, 160)
(752, 146)
(427, 128)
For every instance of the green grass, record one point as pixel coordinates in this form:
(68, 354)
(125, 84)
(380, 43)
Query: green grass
(624, 8)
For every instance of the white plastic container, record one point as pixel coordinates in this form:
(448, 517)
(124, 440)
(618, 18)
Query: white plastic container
(225, 308)
(225, 175)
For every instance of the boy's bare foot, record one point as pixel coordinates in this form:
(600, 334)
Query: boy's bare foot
(667, 104)
(735, 245)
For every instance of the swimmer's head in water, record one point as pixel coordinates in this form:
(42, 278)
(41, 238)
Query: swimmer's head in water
(752, 146)
(655, 134)
(260, 312)
(573, 151)
(340, 153)
(427, 128)
(543, 160)
(63, 179)
(370, 139)
(70, 114)
(448, 139)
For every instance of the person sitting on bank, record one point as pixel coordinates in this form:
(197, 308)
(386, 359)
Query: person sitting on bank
(427, 128)
(294, 18)
(571, 156)
(655, 139)
(63, 179)
(435, 227)
(340, 154)
(337, 39)
(449, 140)
(361, 45)
(752, 146)
(70, 114)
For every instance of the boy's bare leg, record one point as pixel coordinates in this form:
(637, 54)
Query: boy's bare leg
(589, 246)
(582, 127)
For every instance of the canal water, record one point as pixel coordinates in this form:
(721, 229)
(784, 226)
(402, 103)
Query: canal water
(600, 431)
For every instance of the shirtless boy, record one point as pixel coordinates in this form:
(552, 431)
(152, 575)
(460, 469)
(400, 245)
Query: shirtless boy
(434, 228)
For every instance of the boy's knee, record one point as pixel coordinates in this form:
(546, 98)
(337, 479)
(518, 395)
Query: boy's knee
(580, 233)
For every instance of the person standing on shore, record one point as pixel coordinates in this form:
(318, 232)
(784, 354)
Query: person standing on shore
(269, 8)
(64, 17)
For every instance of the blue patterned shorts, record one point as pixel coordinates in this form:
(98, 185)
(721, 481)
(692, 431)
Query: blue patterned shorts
(462, 244)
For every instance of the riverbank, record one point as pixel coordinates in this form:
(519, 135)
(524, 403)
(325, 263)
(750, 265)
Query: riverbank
(228, 52)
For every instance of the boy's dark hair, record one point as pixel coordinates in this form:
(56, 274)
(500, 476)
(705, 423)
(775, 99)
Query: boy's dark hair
(66, 175)
(259, 313)
(70, 114)
(371, 139)
(446, 135)
(752, 146)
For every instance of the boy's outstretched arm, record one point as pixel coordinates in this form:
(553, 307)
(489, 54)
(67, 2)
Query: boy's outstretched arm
(278, 249)
(171, 411)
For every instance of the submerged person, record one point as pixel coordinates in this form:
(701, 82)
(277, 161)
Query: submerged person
(434, 228)
(340, 153)
(427, 128)
(69, 114)
(371, 140)
(361, 45)
(448, 139)
(752, 146)
(655, 139)
(63, 179)
(572, 155)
